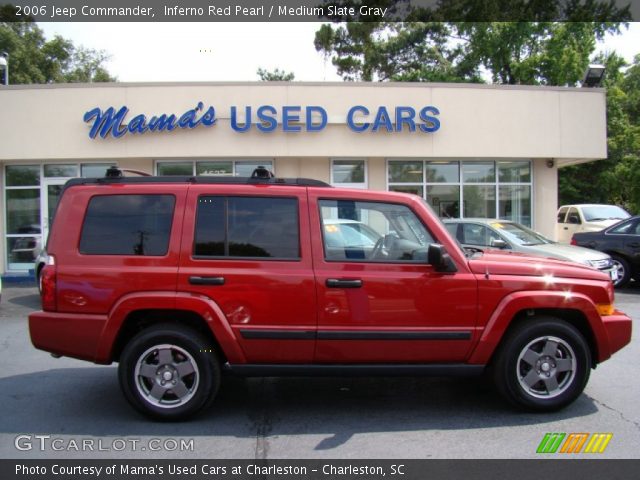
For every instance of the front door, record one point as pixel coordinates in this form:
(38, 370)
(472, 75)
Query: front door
(378, 299)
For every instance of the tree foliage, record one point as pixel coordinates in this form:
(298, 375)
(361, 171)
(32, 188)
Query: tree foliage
(276, 75)
(477, 40)
(617, 177)
(33, 59)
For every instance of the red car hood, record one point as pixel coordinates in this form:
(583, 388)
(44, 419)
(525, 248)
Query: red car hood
(498, 262)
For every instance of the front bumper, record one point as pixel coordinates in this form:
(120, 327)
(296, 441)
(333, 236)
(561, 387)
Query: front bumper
(618, 327)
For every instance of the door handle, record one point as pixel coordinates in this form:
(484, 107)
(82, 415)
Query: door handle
(206, 280)
(338, 283)
(566, 228)
(634, 244)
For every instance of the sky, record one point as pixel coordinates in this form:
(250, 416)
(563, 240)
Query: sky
(164, 52)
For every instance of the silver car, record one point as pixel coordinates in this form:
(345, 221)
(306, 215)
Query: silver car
(505, 234)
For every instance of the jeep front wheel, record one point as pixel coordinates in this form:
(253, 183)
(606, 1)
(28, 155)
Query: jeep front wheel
(543, 364)
(169, 372)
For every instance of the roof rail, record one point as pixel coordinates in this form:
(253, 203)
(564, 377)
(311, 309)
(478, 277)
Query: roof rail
(198, 180)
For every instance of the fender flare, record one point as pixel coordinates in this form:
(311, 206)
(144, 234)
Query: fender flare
(200, 305)
(516, 302)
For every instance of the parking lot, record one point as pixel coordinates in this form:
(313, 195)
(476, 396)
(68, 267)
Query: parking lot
(59, 408)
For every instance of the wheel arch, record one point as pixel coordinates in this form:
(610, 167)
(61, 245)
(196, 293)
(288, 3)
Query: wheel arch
(136, 312)
(578, 310)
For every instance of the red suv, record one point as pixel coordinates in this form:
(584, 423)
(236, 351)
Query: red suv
(179, 279)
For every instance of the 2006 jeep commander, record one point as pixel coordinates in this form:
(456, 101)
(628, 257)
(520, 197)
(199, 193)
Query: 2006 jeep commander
(178, 279)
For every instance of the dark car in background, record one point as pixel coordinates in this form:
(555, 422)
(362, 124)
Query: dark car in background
(622, 242)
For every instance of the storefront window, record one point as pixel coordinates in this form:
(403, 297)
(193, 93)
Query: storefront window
(515, 203)
(514, 172)
(467, 188)
(62, 171)
(478, 172)
(405, 172)
(238, 168)
(349, 173)
(22, 175)
(213, 168)
(22, 204)
(445, 200)
(443, 172)
(95, 170)
(175, 168)
(479, 201)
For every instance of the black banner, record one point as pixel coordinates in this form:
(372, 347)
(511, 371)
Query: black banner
(318, 10)
(319, 469)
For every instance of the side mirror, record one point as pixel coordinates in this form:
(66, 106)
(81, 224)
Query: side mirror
(438, 257)
(498, 243)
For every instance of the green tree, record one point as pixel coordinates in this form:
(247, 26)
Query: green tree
(276, 75)
(540, 52)
(618, 176)
(33, 59)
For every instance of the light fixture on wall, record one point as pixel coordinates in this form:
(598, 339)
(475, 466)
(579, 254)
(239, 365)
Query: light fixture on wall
(4, 68)
(550, 163)
(593, 76)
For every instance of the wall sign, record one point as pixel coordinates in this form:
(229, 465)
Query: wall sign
(264, 118)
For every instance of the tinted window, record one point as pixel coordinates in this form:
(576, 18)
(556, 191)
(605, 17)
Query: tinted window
(371, 231)
(127, 225)
(629, 228)
(247, 227)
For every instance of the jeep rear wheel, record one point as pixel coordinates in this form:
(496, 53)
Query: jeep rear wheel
(169, 372)
(543, 364)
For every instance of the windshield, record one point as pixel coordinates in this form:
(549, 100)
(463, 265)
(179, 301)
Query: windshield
(603, 212)
(519, 234)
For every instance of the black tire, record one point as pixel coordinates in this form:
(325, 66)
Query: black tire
(163, 356)
(535, 354)
(39, 279)
(624, 271)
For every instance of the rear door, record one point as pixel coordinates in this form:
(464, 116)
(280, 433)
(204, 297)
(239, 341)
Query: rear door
(573, 224)
(247, 248)
(386, 305)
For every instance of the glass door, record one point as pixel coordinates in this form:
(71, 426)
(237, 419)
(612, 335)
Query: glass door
(52, 189)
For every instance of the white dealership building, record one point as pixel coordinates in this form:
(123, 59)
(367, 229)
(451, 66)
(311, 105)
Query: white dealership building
(469, 150)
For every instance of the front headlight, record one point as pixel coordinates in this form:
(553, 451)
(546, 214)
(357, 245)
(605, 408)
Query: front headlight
(601, 264)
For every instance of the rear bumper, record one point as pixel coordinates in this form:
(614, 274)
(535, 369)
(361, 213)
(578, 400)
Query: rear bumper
(66, 334)
(618, 327)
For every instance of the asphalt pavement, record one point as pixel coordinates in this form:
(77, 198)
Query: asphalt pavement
(65, 408)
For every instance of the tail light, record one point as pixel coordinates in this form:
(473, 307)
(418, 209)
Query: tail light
(573, 241)
(48, 277)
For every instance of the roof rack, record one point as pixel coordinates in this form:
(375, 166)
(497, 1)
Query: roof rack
(260, 176)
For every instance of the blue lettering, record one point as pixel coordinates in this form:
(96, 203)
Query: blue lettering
(267, 123)
(382, 117)
(106, 122)
(138, 124)
(289, 116)
(431, 124)
(188, 118)
(163, 122)
(234, 120)
(209, 117)
(316, 127)
(405, 115)
(354, 126)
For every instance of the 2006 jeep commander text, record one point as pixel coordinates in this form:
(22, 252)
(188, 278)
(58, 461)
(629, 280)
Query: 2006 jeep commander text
(178, 279)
